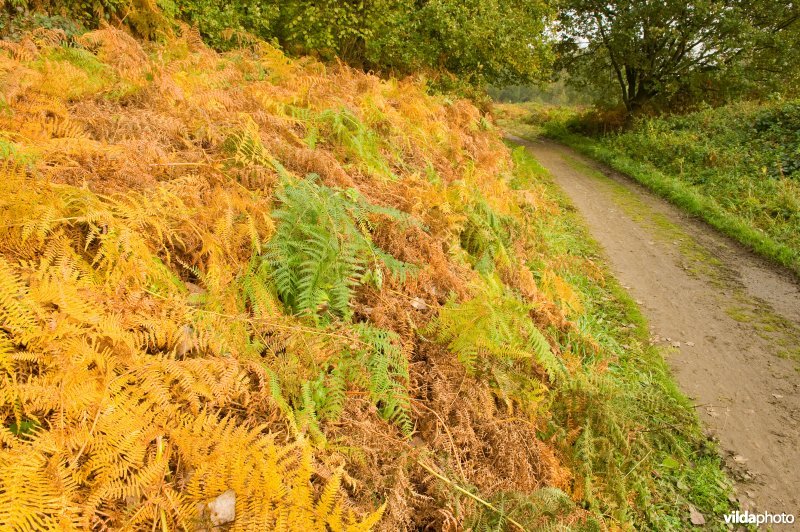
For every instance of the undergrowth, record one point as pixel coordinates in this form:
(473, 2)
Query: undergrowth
(338, 296)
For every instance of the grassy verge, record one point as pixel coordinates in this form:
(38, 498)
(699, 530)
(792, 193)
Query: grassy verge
(747, 207)
(668, 464)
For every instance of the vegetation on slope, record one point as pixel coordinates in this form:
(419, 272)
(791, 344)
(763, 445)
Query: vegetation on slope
(460, 43)
(339, 297)
(736, 166)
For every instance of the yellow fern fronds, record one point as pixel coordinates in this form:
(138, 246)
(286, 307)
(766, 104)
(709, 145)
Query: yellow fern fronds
(16, 313)
(36, 490)
(561, 291)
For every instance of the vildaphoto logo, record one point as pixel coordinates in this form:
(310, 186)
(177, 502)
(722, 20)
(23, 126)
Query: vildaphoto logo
(764, 518)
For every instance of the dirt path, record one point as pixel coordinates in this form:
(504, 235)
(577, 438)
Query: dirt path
(730, 322)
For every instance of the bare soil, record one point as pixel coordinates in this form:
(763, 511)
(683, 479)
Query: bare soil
(728, 320)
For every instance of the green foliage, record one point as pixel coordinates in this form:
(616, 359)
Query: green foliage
(13, 26)
(538, 510)
(84, 60)
(773, 66)
(24, 428)
(13, 151)
(376, 364)
(486, 235)
(494, 325)
(146, 18)
(225, 25)
(322, 248)
(648, 50)
(777, 133)
(499, 41)
(362, 143)
(737, 143)
(556, 92)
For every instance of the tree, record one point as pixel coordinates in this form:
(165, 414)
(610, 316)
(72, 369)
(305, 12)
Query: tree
(494, 41)
(480, 41)
(648, 46)
(774, 61)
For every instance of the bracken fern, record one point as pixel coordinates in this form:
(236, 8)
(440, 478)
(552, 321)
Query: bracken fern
(322, 248)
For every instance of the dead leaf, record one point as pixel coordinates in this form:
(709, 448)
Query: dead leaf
(419, 304)
(695, 517)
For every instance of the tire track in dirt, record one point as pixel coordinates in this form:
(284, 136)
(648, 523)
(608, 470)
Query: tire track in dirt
(729, 321)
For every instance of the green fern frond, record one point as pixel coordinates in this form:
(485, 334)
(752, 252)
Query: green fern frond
(387, 374)
(246, 146)
(322, 249)
(494, 332)
(486, 236)
(373, 360)
(362, 143)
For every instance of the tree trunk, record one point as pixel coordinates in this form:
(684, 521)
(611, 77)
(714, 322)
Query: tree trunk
(638, 97)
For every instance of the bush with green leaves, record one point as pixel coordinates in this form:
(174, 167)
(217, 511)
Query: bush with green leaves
(13, 26)
(474, 41)
(499, 41)
(224, 24)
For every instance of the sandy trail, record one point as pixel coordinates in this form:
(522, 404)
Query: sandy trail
(725, 316)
